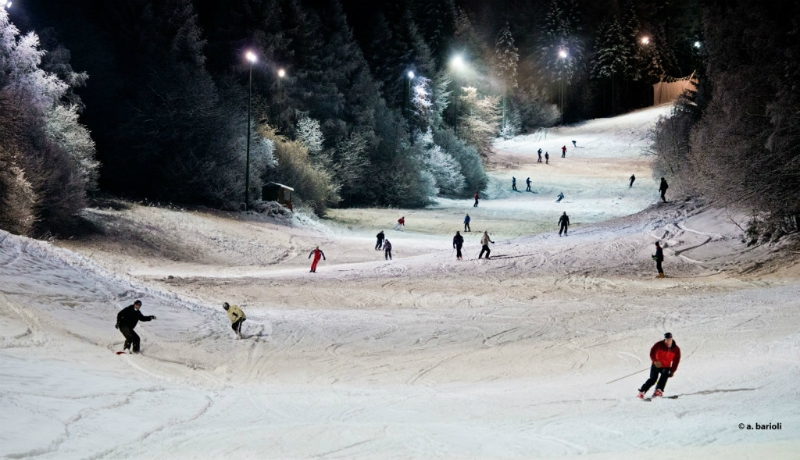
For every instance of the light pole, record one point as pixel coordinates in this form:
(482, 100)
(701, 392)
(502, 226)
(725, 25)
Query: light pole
(457, 63)
(281, 75)
(251, 57)
(562, 55)
(407, 95)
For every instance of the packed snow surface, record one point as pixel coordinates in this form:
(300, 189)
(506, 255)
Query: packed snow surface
(536, 353)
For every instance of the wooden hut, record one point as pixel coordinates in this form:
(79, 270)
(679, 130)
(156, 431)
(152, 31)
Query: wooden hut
(274, 191)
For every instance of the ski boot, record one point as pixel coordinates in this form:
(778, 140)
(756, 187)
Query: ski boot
(658, 394)
(640, 395)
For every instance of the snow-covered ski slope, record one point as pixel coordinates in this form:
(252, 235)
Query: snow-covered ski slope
(421, 357)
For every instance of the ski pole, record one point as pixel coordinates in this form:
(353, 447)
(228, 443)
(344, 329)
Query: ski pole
(629, 375)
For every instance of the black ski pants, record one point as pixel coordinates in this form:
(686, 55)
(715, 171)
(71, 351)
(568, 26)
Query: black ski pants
(476, 203)
(656, 373)
(387, 254)
(664, 196)
(379, 244)
(466, 227)
(458, 251)
(485, 247)
(658, 266)
(563, 229)
(131, 338)
(237, 325)
(529, 188)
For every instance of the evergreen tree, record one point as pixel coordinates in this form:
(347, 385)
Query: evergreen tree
(612, 59)
(506, 57)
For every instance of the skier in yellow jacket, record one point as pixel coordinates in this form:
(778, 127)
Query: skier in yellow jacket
(236, 315)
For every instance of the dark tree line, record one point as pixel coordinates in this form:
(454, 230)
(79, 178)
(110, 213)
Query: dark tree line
(737, 138)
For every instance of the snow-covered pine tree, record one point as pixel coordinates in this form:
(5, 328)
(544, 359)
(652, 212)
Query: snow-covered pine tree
(561, 31)
(612, 56)
(506, 57)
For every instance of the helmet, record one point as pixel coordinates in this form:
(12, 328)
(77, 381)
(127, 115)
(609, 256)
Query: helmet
(225, 305)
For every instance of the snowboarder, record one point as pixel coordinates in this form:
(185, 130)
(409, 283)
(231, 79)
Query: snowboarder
(540, 155)
(633, 178)
(513, 183)
(127, 319)
(659, 257)
(458, 242)
(387, 250)
(563, 223)
(665, 356)
(663, 189)
(477, 197)
(528, 182)
(236, 315)
(560, 197)
(379, 244)
(574, 144)
(401, 222)
(546, 158)
(485, 240)
(317, 253)
(563, 151)
(466, 224)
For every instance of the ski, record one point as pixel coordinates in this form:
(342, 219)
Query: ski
(121, 352)
(662, 397)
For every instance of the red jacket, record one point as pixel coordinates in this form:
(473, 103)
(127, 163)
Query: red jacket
(401, 221)
(668, 356)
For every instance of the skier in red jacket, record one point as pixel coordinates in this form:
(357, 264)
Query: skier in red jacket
(317, 253)
(665, 356)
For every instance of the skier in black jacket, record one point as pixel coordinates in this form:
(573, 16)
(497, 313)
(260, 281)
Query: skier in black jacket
(663, 189)
(458, 242)
(563, 223)
(379, 244)
(127, 319)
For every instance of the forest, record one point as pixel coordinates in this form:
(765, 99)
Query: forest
(354, 104)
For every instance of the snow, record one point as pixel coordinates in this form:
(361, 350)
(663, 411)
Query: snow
(420, 357)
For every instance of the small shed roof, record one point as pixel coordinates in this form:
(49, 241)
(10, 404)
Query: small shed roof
(279, 185)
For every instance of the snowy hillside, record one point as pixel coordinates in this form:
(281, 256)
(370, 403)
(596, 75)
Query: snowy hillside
(536, 353)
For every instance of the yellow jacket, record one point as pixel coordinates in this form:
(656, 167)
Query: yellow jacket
(235, 313)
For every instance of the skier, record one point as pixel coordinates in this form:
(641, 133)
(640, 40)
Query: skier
(485, 240)
(663, 189)
(380, 237)
(401, 222)
(458, 242)
(387, 250)
(513, 183)
(466, 224)
(563, 151)
(528, 181)
(659, 257)
(563, 223)
(633, 178)
(665, 355)
(546, 158)
(540, 156)
(127, 319)
(574, 144)
(560, 197)
(317, 253)
(477, 197)
(236, 315)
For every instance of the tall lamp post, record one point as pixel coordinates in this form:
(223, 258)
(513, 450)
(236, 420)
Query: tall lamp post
(281, 76)
(457, 63)
(562, 55)
(251, 57)
(407, 95)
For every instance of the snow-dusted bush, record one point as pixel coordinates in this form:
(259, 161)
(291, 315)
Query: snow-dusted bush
(313, 185)
(534, 109)
(471, 165)
(309, 134)
(445, 170)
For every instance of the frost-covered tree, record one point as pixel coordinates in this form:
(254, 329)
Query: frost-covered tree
(309, 133)
(444, 168)
(506, 57)
(481, 120)
(48, 156)
(612, 58)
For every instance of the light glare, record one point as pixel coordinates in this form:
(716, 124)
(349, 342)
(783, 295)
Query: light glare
(457, 62)
(281, 73)
(410, 75)
(251, 56)
(562, 54)
(645, 40)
